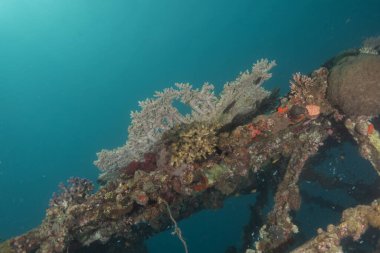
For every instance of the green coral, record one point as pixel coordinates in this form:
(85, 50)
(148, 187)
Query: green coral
(214, 173)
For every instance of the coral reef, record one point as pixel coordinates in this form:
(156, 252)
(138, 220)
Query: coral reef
(174, 165)
(159, 114)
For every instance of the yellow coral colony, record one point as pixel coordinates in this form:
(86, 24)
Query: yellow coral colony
(196, 141)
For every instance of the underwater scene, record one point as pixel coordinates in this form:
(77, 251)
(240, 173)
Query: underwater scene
(141, 126)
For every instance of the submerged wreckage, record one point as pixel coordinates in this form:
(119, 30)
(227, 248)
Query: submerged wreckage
(174, 165)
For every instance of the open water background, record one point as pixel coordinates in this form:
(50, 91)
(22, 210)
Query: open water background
(72, 70)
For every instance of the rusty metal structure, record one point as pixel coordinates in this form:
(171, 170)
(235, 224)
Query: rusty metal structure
(150, 194)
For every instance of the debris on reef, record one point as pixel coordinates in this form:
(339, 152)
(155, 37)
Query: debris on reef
(184, 164)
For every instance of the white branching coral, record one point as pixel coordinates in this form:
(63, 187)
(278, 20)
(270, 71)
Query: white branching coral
(242, 94)
(158, 115)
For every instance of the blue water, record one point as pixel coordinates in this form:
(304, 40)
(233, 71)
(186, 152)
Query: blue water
(72, 70)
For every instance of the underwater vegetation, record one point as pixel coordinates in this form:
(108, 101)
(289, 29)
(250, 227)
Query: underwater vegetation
(173, 165)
